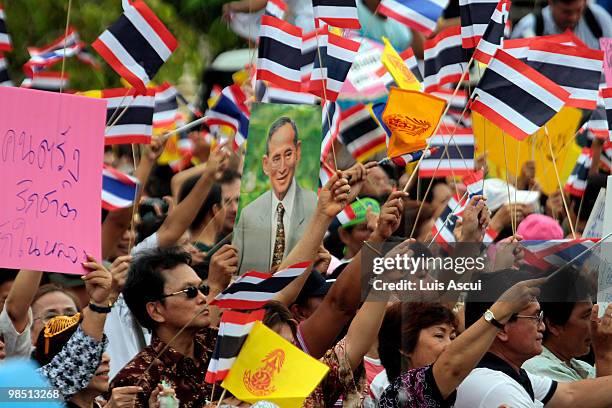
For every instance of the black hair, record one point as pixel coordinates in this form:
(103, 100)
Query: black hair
(214, 197)
(278, 123)
(228, 176)
(145, 281)
(7, 274)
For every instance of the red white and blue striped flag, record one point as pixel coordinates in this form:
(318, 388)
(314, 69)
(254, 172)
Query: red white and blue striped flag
(254, 289)
(46, 81)
(336, 13)
(493, 36)
(5, 79)
(276, 8)
(230, 110)
(421, 15)
(361, 133)
(475, 16)
(515, 97)
(445, 59)
(136, 45)
(331, 127)
(132, 116)
(577, 181)
(607, 98)
(404, 159)
(5, 38)
(280, 53)
(118, 189)
(458, 160)
(165, 114)
(556, 253)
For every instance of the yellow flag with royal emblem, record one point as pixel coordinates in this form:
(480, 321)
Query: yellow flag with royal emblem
(269, 368)
(403, 76)
(412, 118)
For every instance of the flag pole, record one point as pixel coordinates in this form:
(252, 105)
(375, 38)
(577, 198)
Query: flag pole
(446, 220)
(467, 68)
(569, 217)
(221, 399)
(64, 57)
(508, 184)
(188, 126)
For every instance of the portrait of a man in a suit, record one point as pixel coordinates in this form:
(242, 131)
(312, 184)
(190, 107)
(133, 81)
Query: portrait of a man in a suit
(270, 226)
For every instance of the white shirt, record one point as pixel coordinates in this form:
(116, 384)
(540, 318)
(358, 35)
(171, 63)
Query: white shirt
(16, 344)
(486, 388)
(287, 203)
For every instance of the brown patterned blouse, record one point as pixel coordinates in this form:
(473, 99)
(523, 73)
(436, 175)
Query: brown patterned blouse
(182, 373)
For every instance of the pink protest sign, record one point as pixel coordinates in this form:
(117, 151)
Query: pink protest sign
(51, 149)
(606, 47)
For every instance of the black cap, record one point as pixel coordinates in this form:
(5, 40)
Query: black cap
(316, 286)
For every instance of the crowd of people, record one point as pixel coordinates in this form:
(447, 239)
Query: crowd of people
(138, 328)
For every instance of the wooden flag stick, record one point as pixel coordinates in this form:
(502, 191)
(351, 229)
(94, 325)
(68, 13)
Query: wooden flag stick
(508, 184)
(552, 154)
(188, 126)
(446, 220)
(516, 175)
(64, 57)
(114, 115)
(221, 399)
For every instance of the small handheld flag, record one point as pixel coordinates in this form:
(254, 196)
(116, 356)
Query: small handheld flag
(118, 189)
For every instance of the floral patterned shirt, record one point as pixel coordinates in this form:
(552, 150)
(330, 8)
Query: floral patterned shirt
(182, 373)
(415, 388)
(73, 367)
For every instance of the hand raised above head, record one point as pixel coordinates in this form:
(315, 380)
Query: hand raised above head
(333, 197)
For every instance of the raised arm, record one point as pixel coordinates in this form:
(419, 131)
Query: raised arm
(340, 304)
(177, 222)
(463, 353)
(179, 178)
(117, 222)
(21, 296)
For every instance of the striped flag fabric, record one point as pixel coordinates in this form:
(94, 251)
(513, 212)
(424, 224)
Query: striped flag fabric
(136, 45)
(576, 69)
(254, 289)
(607, 98)
(332, 64)
(457, 102)
(330, 127)
(118, 189)
(445, 59)
(70, 39)
(515, 97)
(276, 94)
(310, 41)
(420, 15)
(280, 53)
(346, 215)
(475, 16)
(276, 8)
(46, 81)
(518, 48)
(5, 38)
(459, 157)
(5, 79)
(404, 159)
(598, 122)
(556, 253)
(444, 226)
(40, 62)
(577, 181)
(73, 44)
(233, 331)
(361, 133)
(165, 113)
(336, 13)
(473, 182)
(411, 62)
(324, 174)
(230, 110)
(493, 37)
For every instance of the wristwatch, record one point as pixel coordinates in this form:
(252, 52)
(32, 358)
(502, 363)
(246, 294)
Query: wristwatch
(100, 309)
(490, 317)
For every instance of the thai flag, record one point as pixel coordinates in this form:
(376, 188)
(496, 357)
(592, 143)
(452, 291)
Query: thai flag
(361, 133)
(310, 43)
(65, 41)
(444, 226)
(607, 97)
(254, 289)
(165, 114)
(404, 159)
(118, 189)
(421, 15)
(276, 94)
(598, 122)
(475, 16)
(493, 37)
(280, 53)
(136, 45)
(276, 8)
(332, 64)
(330, 126)
(474, 182)
(518, 48)
(347, 215)
(230, 110)
(336, 13)
(5, 79)
(132, 116)
(556, 253)
(458, 160)
(412, 64)
(576, 69)
(577, 181)
(40, 62)
(445, 59)
(234, 329)
(324, 174)
(457, 102)
(515, 97)
(46, 81)
(5, 38)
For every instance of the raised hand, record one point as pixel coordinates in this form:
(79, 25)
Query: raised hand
(475, 220)
(333, 197)
(517, 298)
(119, 270)
(357, 176)
(217, 161)
(601, 333)
(155, 149)
(223, 265)
(389, 217)
(98, 282)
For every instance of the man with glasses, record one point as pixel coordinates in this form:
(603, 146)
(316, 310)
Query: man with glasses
(271, 225)
(498, 380)
(168, 298)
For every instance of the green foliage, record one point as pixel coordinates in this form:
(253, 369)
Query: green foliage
(36, 23)
(308, 123)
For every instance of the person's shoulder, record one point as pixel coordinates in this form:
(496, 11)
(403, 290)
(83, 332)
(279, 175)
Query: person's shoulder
(525, 27)
(602, 15)
(258, 203)
(484, 387)
(135, 368)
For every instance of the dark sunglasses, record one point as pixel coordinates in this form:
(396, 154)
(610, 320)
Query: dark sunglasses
(190, 291)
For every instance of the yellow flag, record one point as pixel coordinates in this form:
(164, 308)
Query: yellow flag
(561, 130)
(269, 368)
(412, 117)
(403, 76)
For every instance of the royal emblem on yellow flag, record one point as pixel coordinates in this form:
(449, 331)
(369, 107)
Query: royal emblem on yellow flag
(270, 368)
(398, 69)
(412, 118)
